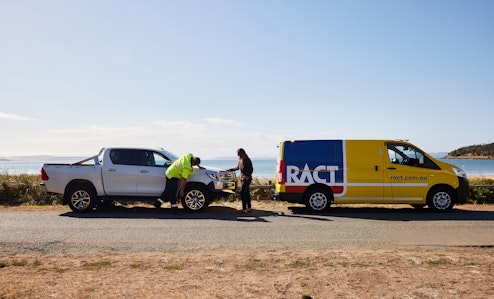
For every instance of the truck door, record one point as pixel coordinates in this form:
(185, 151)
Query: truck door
(151, 178)
(407, 173)
(119, 172)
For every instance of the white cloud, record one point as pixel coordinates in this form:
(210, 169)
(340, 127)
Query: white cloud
(13, 116)
(201, 138)
(223, 122)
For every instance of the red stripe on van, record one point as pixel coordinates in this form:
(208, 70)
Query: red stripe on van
(301, 189)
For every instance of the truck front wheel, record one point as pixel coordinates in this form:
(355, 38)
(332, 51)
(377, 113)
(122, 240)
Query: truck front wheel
(197, 198)
(82, 198)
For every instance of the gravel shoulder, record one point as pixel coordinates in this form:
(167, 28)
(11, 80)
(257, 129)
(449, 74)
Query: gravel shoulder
(399, 272)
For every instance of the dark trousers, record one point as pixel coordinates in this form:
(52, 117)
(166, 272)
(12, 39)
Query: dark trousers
(245, 194)
(170, 192)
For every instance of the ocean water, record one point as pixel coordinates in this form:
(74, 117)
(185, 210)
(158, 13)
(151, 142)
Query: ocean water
(263, 168)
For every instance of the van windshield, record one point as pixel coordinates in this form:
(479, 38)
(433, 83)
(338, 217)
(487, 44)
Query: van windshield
(407, 155)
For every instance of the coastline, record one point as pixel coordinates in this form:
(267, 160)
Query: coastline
(469, 157)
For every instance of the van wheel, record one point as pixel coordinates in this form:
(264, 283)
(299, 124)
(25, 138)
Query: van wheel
(440, 199)
(82, 198)
(318, 199)
(197, 198)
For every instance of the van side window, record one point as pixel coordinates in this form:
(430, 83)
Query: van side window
(407, 155)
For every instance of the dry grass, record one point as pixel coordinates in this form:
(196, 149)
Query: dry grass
(405, 273)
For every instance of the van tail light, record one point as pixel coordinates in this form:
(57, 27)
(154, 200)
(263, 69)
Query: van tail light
(44, 176)
(281, 172)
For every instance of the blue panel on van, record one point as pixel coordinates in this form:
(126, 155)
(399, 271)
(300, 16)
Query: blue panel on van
(316, 153)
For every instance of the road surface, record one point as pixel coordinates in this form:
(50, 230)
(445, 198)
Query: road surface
(140, 229)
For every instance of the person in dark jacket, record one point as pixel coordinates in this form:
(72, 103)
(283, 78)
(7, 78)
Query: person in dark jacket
(246, 169)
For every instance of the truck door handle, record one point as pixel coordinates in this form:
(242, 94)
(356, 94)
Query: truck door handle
(111, 170)
(144, 171)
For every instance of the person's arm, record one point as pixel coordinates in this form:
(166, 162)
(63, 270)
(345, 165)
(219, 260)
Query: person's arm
(235, 168)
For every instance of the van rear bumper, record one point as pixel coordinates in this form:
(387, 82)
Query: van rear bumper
(463, 191)
(289, 197)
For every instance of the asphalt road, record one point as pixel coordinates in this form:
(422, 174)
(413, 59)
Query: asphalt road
(139, 229)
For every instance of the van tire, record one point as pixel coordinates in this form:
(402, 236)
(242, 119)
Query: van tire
(197, 198)
(81, 198)
(440, 199)
(318, 199)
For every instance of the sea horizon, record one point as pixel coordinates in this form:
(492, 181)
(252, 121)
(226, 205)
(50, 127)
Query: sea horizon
(263, 167)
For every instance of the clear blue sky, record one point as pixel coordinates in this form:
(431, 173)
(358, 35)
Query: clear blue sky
(208, 77)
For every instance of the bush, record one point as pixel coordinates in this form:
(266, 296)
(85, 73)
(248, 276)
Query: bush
(23, 189)
(481, 195)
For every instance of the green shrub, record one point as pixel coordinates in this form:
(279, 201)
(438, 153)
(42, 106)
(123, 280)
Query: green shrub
(24, 189)
(481, 195)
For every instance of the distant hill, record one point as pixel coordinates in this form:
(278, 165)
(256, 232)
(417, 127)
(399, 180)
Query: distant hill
(482, 151)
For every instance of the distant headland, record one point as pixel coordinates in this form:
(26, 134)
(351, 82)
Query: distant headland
(482, 151)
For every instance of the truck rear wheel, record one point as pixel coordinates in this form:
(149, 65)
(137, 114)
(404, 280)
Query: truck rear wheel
(82, 198)
(318, 199)
(440, 199)
(197, 198)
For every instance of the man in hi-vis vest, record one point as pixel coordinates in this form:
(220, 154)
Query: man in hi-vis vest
(177, 173)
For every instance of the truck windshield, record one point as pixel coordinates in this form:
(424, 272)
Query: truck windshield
(170, 156)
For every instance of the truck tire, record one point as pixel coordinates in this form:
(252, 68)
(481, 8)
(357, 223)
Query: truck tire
(440, 199)
(82, 198)
(197, 198)
(318, 199)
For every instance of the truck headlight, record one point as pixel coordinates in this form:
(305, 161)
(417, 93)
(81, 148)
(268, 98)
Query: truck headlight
(213, 175)
(459, 172)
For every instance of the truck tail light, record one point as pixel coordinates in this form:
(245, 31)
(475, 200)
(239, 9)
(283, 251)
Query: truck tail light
(44, 176)
(280, 174)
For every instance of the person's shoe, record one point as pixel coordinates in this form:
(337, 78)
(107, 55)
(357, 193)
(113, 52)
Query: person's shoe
(157, 203)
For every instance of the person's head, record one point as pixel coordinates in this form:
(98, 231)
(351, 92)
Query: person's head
(241, 153)
(196, 161)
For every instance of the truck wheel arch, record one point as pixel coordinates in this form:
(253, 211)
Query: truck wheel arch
(80, 188)
(197, 197)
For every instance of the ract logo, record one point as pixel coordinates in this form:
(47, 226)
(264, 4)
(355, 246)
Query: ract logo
(323, 174)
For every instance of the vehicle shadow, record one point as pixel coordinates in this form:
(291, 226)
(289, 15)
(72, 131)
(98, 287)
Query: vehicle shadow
(213, 212)
(400, 214)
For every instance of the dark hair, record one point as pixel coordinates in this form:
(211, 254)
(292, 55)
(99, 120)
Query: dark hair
(196, 161)
(241, 153)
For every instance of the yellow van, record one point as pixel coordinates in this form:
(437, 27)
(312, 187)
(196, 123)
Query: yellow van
(319, 173)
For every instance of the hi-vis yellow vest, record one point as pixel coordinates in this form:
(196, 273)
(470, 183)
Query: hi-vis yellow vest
(181, 168)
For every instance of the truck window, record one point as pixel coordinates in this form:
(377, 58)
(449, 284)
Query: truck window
(407, 155)
(160, 160)
(126, 157)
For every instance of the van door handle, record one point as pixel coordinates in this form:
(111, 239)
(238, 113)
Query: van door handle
(111, 170)
(391, 168)
(376, 167)
(144, 171)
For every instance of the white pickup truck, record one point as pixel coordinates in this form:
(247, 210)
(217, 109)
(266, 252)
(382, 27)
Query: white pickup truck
(130, 174)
